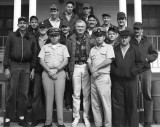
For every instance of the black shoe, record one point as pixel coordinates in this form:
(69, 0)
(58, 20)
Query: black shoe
(23, 123)
(61, 126)
(146, 124)
(34, 123)
(6, 124)
(50, 125)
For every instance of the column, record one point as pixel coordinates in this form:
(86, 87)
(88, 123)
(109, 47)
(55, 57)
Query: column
(32, 8)
(138, 10)
(17, 13)
(123, 6)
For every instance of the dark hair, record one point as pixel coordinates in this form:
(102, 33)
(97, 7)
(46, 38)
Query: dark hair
(70, 2)
(33, 17)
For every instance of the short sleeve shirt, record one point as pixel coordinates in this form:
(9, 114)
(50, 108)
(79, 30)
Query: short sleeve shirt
(100, 54)
(53, 55)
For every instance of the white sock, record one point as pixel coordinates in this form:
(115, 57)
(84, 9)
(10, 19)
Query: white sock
(21, 117)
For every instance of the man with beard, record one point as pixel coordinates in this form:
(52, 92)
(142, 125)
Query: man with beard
(19, 58)
(69, 16)
(54, 20)
(92, 22)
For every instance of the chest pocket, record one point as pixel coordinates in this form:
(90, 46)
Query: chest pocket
(47, 55)
(103, 54)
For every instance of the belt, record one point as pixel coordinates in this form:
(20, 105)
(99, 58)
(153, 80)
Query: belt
(80, 63)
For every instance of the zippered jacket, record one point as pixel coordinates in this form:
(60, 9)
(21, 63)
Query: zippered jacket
(20, 49)
(147, 50)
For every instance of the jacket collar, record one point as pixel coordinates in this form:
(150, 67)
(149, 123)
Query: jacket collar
(25, 35)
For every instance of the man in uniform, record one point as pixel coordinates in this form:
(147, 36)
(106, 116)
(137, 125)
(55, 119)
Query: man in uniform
(99, 61)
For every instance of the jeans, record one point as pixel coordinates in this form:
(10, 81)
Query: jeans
(17, 92)
(146, 78)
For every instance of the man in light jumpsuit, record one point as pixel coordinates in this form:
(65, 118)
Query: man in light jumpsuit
(99, 61)
(53, 58)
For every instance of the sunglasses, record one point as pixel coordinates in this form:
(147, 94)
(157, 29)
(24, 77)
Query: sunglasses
(53, 9)
(136, 28)
(54, 35)
(86, 8)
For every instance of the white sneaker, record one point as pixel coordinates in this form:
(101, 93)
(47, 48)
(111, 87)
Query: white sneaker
(87, 122)
(75, 122)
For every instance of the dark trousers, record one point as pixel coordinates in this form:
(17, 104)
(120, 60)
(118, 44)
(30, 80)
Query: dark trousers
(124, 103)
(17, 92)
(38, 109)
(145, 78)
(68, 92)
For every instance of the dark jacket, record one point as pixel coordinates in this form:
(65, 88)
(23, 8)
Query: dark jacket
(71, 45)
(20, 49)
(147, 50)
(63, 39)
(72, 21)
(39, 68)
(127, 67)
(33, 32)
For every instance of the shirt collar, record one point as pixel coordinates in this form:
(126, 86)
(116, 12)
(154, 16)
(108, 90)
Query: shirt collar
(68, 14)
(103, 45)
(56, 20)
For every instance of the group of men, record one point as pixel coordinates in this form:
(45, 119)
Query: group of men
(74, 52)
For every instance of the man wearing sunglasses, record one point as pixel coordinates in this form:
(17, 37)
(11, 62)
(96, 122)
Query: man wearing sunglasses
(148, 55)
(54, 20)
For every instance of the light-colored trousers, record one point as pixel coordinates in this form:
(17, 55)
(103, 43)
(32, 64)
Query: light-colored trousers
(101, 100)
(81, 81)
(51, 88)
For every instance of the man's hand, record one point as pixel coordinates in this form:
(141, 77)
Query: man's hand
(32, 74)
(94, 69)
(67, 76)
(95, 74)
(52, 72)
(7, 73)
(54, 77)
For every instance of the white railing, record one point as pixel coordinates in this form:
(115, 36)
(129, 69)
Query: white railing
(154, 38)
(156, 41)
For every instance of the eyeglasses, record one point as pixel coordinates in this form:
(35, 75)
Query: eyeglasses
(54, 35)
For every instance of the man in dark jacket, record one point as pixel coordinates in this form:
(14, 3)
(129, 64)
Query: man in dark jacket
(19, 59)
(33, 27)
(69, 16)
(126, 65)
(148, 55)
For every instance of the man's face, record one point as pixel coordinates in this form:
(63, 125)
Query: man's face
(138, 31)
(34, 23)
(106, 20)
(22, 25)
(43, 30)
(92, 22)
(80, 27)
(54, 13)
(86, 11)
(100, 39)
(54, 38)
(112, 35)
(65, 29)
(69, 8)
(121, 21)
(125, 40)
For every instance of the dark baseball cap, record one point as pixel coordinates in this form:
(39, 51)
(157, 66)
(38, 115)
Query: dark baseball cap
(54, 31)
(138, 25)
(91, 16)
(54, 7)
(126, 32)
(33, 17)
(121, 15)
(42, 25)
(99, 31)
(22, 19)
(86, 5)
(106, 14)
(64, 24)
